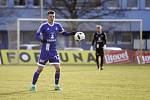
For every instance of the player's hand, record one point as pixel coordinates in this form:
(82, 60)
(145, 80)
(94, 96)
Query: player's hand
(91, 48)
(73, 33)
(104, 46)
(44, 41)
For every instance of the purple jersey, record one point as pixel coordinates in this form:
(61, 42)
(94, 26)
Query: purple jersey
(49, 33)
(48, 49)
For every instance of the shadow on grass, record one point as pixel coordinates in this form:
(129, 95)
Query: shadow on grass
(15, 92)
(26, 92)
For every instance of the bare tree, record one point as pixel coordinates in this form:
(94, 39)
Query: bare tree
(75, 9)
(80, 8)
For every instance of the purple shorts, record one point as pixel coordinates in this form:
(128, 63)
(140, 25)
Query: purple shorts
(51, 56)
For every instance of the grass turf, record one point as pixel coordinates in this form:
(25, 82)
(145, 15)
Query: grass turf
(82, 82)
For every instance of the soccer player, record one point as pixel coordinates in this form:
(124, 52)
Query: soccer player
(99, 39)
(47, 34)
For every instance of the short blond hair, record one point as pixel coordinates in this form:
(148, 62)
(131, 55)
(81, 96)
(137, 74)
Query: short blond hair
(98, 26)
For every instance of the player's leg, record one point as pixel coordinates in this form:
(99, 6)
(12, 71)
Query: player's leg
(97, 57)
(55, 60)
(97, 61)
(102, 60)
(57, 76)
(36, 74)
(41, 65)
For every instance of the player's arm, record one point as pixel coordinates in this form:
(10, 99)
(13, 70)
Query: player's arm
(63, 32)
(39, 34)
(67, 33)
(93, 41)
(105, 38)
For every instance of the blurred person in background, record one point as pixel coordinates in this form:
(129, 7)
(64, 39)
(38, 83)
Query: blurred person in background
(99, 40)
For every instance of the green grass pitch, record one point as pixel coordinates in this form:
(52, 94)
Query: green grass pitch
(82, 82)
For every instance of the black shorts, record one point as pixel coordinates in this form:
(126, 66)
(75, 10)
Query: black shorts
(99, 51)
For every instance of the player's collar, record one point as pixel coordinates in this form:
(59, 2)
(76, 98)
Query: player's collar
(99, 33)
(50, 24)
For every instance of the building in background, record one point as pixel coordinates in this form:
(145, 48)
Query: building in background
(10, 10)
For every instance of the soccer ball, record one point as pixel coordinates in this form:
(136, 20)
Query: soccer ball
(79, 36)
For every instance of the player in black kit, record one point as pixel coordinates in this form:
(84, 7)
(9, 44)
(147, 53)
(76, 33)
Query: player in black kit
(99, 39)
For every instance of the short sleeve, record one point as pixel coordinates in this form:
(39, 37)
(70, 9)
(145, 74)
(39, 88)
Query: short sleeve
(40, 29)
(60, 28)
